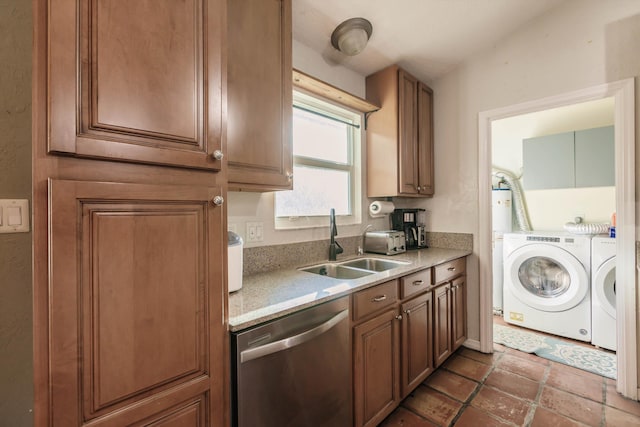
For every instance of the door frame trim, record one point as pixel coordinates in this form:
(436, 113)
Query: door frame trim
(623, 92)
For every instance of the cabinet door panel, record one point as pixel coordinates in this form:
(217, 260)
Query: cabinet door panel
(442, 324)
(548, 162)
(136, 301)
(459, 312)
(376, 391)
(417, 339)
(595, 157)
(259, 94)
(408, 138)
(137, 81)
(425, 140)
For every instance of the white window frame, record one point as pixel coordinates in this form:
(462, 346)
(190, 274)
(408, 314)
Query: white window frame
(355, 192)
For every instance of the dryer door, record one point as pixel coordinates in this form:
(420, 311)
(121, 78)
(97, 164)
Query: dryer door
(546, 277)
(604, 285)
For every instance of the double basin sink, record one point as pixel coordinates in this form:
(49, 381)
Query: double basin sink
(354, 269)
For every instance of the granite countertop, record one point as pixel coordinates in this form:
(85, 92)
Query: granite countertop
(270, 295)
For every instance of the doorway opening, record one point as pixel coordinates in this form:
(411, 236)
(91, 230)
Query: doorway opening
(623, 95)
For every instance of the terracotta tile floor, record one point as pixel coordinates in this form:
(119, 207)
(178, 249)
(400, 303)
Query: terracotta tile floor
(512, 388)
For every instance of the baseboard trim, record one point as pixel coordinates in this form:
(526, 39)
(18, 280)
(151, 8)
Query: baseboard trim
(472, 344)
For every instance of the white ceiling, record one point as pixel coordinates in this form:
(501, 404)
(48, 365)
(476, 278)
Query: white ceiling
(428, 38)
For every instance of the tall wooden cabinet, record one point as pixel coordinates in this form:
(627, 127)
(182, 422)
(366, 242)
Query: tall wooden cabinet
(129, 219)
(399, 135)
(259, 95)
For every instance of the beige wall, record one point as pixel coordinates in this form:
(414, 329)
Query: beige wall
(16, 376)
(578, 45)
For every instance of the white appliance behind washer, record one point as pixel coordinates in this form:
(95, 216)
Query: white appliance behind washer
(546, 283)
(603, 292)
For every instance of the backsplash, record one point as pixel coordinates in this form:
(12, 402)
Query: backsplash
(268, 258)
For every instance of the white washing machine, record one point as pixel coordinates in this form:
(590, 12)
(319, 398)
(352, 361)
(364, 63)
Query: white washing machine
(603, 292)
(546, 283)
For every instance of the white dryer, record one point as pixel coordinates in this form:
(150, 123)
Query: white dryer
(546, 283)
(603, 292)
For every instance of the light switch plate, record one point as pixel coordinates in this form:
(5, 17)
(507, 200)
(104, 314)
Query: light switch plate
(15, 215)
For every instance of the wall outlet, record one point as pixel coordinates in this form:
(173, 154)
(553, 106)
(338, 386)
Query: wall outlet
(255, 231)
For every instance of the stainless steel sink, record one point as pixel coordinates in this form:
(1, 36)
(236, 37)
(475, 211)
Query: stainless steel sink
(337, 271)
(354, 269)
(374, 264)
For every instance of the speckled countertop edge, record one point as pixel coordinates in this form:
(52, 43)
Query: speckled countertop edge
(270, 295)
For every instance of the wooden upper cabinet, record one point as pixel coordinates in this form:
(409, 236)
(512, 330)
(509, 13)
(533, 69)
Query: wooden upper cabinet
(137, 81)
(425, 140)
(259, 107)
(399, 135)
(136, 301)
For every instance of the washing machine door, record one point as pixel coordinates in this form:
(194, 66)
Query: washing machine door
(546, 277)
(604, 285)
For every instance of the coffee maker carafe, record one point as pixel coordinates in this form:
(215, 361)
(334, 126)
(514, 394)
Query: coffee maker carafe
(407, 220)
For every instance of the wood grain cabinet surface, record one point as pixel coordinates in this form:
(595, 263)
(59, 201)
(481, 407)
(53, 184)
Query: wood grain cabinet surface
(129, 232)
(402, 331)
(450, 309)
(135, 305)
(376, 372)
(417, 341)
(259, 105)
(137, 81)
(399, 135)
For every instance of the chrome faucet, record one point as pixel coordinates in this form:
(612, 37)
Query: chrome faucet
(334, 247)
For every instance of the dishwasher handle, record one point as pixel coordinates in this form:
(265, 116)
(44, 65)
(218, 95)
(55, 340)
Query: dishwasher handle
(289, 342)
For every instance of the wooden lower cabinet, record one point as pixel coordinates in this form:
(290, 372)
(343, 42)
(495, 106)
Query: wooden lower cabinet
(401, 335)
(459, 312)
(135, 300)
(417, 341)
(376, 358)
(442, 324)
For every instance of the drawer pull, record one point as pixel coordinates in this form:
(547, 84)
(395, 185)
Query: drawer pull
(379, 298)
(418, 282)
(451, 269)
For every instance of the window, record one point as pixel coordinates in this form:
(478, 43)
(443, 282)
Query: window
(326, 166)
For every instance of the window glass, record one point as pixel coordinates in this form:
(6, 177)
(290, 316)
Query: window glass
(316, 190)
(318, 137)
(326, 149)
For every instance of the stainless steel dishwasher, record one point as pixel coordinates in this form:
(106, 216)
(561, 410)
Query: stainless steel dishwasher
(294, 371)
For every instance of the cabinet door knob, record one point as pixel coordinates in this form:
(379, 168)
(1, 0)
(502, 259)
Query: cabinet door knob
(289, 176)
(399, 317)
(407, 312)
(218, 155)
(419, 188)
(418, 282)
(379, 298)
(217, 200)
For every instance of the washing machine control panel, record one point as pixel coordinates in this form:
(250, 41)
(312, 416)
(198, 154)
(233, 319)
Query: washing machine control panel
(547, 239)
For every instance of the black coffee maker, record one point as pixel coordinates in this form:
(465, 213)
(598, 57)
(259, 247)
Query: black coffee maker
(407, 220)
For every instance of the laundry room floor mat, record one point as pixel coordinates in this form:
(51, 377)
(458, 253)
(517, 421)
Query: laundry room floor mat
(589, 359)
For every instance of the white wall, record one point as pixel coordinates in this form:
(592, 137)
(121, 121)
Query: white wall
(551, 209)
(580, 44)
(246, 207)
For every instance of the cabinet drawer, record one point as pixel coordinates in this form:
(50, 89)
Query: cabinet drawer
(373, 299)
(415, 283)
(450, 269)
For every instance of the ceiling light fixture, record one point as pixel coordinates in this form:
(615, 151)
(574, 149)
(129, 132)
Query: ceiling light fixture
(351, 36)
